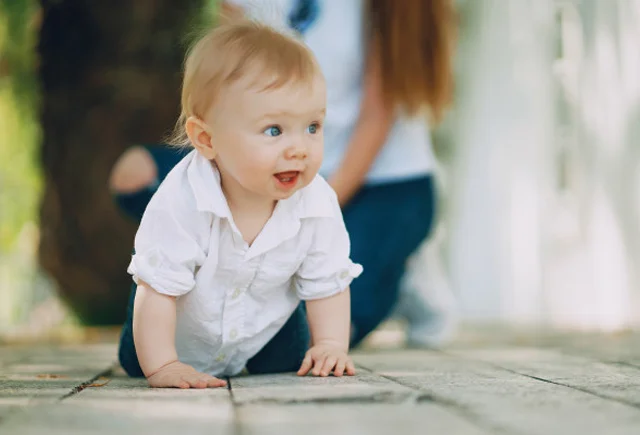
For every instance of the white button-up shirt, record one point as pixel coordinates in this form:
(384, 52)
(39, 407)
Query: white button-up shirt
(232, 298)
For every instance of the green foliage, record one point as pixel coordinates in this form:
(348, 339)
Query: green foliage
(20, 180)
(201, 22)
(19, 175)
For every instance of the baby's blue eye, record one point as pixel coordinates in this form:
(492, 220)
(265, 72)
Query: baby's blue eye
(273, 131)
(313, 128)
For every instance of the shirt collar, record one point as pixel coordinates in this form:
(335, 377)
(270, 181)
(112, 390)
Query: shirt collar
(204, 179)
(317, 200)
(314, 200)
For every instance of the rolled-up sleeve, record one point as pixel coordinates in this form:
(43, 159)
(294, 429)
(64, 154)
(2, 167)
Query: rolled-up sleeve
(168, 249)
(327, 269)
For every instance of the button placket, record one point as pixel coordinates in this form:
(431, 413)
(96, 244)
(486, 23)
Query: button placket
(234, 296)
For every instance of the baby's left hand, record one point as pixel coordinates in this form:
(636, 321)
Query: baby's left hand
(324, 358)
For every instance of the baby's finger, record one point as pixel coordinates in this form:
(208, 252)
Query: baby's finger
(306, 365)
(317, 366)
(215, 382)
(340, 365)
(179, 383)
(351, 369)
(195, 381)
(170, 383)
(205, 379)
(159, 381)
(328, 365)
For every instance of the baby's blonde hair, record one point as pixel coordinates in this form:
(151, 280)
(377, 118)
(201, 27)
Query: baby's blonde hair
(237, 50)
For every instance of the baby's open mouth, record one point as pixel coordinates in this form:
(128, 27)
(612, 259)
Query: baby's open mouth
(287, 179)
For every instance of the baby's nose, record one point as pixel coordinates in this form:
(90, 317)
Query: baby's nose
(297, 151)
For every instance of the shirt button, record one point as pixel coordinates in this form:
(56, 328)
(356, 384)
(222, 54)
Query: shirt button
(344, 274)
(220, 357)
(233, 334)
(236, 293)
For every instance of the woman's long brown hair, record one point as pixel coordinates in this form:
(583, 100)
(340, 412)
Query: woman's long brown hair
(415, 41)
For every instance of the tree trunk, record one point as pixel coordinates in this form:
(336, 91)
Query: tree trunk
(110, 76)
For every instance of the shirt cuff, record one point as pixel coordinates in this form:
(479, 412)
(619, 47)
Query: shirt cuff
(308, 290)
(163, 278)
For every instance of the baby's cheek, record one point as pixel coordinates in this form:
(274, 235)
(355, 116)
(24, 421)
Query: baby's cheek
(314, 163)
(258, 163)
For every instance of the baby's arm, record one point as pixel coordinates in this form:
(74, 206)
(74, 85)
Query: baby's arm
(323, 281)
(329, 320)
(154, 325)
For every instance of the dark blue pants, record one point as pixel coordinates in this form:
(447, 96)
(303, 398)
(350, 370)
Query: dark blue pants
(386, 224)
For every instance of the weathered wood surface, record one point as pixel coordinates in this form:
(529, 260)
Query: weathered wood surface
(555, 384)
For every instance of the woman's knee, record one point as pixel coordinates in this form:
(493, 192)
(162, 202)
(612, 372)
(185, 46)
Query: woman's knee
(135, 170)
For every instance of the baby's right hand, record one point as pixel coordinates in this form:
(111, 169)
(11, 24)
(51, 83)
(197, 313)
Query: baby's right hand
(179, 375)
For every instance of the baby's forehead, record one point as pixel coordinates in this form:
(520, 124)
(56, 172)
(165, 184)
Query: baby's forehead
(302, 91)
(256, 81)
(255, 94)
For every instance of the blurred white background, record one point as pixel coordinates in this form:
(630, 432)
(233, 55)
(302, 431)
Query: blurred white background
(540, 175)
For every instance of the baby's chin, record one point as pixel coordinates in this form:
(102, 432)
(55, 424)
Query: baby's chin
(286, 195)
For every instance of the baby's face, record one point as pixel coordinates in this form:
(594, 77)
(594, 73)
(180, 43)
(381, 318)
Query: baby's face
(270, 143)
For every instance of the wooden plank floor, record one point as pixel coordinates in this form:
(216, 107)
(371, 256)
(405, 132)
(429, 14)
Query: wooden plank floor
(486, 384)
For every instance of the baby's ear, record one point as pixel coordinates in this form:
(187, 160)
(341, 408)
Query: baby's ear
(200, 136)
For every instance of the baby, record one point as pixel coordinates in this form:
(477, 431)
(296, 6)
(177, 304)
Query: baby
(243, 229)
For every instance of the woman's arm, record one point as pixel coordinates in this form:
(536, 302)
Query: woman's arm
(370, 133)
